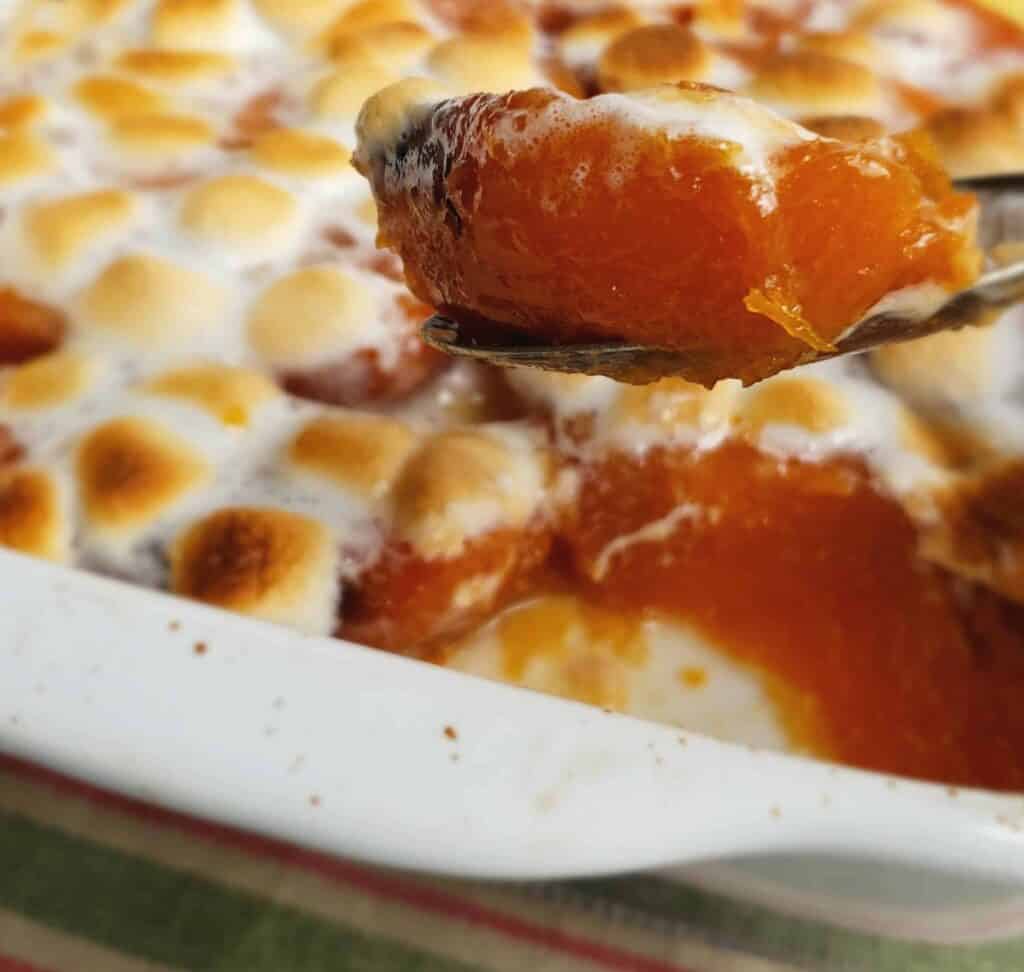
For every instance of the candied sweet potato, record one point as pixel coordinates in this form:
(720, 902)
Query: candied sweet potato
(682, 217)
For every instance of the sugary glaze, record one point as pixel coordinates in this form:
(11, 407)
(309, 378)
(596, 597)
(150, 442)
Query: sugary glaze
(680, 217)
(210, 380)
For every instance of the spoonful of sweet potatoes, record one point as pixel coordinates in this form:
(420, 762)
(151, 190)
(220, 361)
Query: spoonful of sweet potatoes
(681, 230)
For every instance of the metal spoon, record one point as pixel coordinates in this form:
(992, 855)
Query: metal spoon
(1001, 221)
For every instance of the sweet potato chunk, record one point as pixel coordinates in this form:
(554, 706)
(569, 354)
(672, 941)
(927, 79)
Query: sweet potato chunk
(681, 217)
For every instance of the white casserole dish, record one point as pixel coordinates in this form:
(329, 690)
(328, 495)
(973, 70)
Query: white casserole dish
(346, 749)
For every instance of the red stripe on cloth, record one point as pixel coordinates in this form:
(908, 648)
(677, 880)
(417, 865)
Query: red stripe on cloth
(377, 883)
(8, 964)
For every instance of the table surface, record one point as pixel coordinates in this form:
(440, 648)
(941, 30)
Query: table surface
(91, 881)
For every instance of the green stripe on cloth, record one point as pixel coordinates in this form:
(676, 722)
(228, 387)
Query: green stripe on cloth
(812, 944)
(157, 913)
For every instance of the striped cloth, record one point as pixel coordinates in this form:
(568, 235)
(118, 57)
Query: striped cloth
(92, 881)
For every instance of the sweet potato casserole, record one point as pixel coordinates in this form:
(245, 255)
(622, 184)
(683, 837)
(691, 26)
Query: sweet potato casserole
(211, 379)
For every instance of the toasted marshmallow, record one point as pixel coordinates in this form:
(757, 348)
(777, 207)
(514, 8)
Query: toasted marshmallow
(301, 154)
(161, 136)
(38, 45)
(21, 112)
(582, 43)
(667, 407)
(131, 470)
(390, 111)
(267, 563)
(808, 83)
(721, 20)
(483, 62)
(23, 157)
(361, 453)
(205, 24)
(109, 98)
(60, 232)
(33, 516)
(951, 365)
(87, 14)
(922, 42)
(150, 302)
(342, 92)
(28, 327)
(310, 317)
(232, 395)
(855, 46)
(365, 14)
(809, 404)
(464, 483)
(174, 69)
(922, 18)
(299, 16)
(241, 213)
(652, 55)
(977, 141)
(47, 381)
(398, 44)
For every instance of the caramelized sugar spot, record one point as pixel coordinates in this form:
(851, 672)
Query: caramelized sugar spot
(131, 469)
(361, 452)
(31, 514)
(264, 562)
(27, 328)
